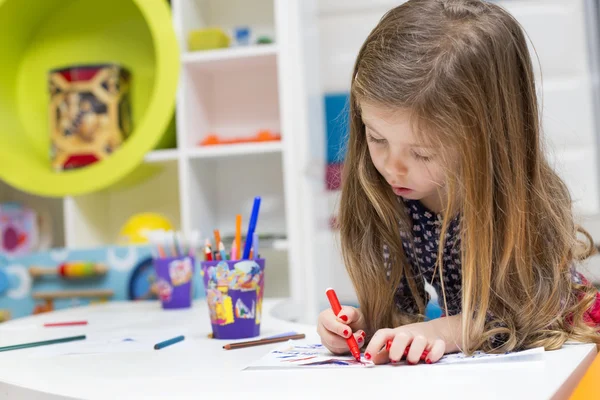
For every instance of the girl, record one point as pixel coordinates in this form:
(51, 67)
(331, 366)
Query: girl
(446, 183)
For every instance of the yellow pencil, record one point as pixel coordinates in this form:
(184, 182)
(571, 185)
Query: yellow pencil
(238, 233)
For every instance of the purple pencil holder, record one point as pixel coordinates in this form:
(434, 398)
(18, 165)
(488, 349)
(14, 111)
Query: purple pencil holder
(174, 278)
(234, 293)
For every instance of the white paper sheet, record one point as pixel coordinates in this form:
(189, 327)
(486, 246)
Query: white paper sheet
(294, 355)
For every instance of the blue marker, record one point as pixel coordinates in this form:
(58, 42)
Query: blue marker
(169, 342)
(251, 228)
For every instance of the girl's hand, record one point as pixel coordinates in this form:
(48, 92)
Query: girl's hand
(334, 330)
(427, 341)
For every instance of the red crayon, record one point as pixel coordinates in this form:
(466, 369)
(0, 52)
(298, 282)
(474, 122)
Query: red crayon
(336, 307)
(71, 323)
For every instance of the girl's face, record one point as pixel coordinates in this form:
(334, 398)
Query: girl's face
(412, 170)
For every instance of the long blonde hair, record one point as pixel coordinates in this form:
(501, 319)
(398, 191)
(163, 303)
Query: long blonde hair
(463, 69)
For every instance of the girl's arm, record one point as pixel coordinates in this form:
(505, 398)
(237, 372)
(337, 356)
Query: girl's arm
(431, 339)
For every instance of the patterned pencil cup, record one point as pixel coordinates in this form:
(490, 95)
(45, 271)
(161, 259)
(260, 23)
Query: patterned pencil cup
(174, 281)
(234, 293)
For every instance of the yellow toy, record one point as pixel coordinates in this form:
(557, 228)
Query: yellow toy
(133, 232)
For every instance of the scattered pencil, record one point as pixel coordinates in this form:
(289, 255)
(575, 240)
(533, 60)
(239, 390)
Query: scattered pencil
(42, 343)
(166, 343)
(260, 342)
(67, 323)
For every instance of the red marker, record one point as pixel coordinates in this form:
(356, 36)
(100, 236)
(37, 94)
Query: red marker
(71, 323)
(336, 307)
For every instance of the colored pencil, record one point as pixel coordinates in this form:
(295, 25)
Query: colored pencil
(207, 254)
(233, 252)
(251, 227)
(69, 323)
(217, 238)
(260, 342)
(238, 235)
(42, 343)
(166, 343)
(222, 251)
(255, 245)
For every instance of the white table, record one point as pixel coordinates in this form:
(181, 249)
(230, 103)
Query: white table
(201, 367)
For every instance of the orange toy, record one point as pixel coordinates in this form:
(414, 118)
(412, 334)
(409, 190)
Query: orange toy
(262, 136)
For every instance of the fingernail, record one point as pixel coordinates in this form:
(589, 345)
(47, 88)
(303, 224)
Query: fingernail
(344, 318)
(424, 355)
(428, 361)
(406, 351)
(367, 356)
(363, 334)
(345, 332)
(388, 345)
(359, 340)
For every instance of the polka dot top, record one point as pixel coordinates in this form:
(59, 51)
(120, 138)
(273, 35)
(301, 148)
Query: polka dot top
(421, 244)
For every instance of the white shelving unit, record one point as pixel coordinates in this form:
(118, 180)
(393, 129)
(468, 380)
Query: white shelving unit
(235, 92)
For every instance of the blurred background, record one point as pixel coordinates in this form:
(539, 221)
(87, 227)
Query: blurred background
(123, 115)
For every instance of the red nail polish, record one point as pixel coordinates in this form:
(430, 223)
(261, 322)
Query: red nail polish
(423, 356)
(406, 351)
(363, 334)
(411, 363)
(388, 345)
(360, 339)
(344, 318)
(428, 361)
(367, 356)
(345, 332)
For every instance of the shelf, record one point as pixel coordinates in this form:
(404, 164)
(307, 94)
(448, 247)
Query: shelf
(161, 156)
(241, 57)
(231, 150)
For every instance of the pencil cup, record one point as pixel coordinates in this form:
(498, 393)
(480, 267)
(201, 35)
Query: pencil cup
(234, 293)
(174, 281)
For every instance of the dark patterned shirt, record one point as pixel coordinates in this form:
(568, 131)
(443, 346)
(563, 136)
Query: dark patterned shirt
(421, 244)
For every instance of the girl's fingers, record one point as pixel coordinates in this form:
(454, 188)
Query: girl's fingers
(438, 349)
(376, 351)
(360, 338)
(400, 343)
(350, 316)
(331, 323)
(417, 347)
(333, 342)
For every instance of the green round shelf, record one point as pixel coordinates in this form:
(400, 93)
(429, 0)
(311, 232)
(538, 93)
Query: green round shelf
(40, 35)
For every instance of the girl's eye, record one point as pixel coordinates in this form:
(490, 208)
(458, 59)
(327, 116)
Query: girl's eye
(421, 157)
(375, 140)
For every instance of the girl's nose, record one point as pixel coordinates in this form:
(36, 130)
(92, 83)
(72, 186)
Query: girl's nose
(394, 166)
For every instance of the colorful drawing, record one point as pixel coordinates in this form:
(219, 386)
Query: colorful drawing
(303, 355)
(220, 307)
(165, 290)
(243, 311)
(180, 271)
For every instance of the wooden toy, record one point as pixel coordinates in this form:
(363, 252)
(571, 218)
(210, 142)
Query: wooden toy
(71, 270)
(49, 297)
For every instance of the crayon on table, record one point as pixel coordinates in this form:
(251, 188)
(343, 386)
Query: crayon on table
(169, 342)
